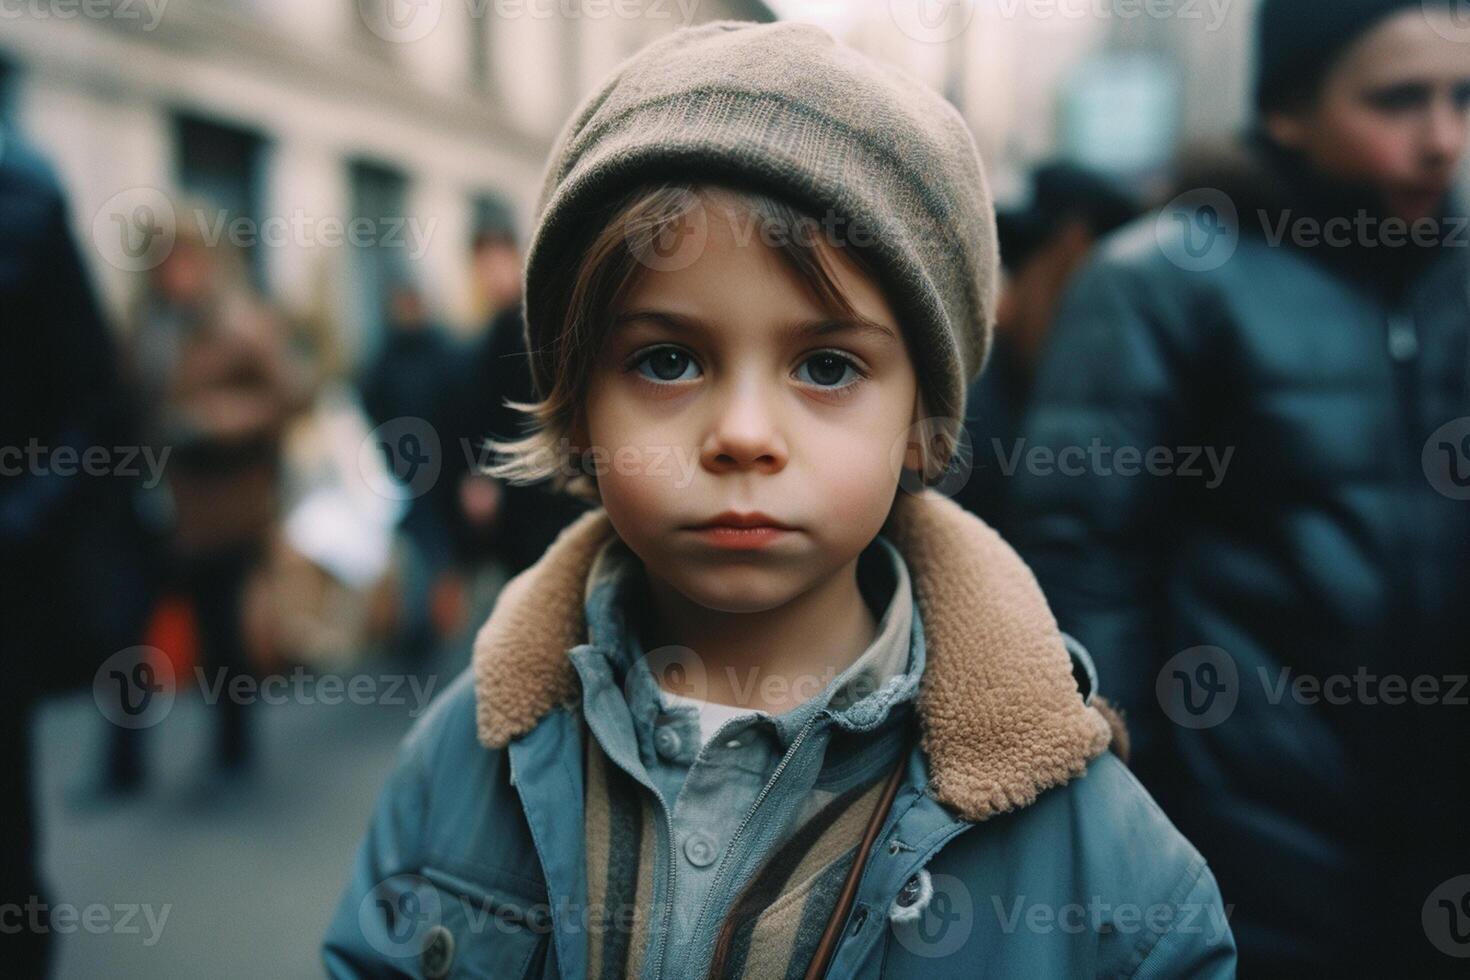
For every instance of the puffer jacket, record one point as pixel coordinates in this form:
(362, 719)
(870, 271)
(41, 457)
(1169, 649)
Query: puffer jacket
(1263, 602)
(1017, 845)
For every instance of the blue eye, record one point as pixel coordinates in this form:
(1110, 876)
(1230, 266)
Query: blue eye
(666, 364)
(828, 370)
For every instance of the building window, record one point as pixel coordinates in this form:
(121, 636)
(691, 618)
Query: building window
(221, 167)
(379, 201)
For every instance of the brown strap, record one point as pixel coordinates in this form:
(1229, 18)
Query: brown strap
(828, 945)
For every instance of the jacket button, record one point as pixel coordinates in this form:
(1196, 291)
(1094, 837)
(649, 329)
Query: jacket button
(667, 743)
(438, 954)
(909, 894)
(699, 848)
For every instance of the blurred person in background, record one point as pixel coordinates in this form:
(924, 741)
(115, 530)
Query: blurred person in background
(1042, 245)
(209, 359)
(512, 524)
(331, 585)
(411, 386)
(74, 587)
(1252, 609)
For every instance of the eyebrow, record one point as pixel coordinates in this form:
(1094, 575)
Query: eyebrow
(801, 329)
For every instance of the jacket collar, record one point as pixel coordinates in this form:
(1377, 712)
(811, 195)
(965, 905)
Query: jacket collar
(858, 698)
(1001, 719)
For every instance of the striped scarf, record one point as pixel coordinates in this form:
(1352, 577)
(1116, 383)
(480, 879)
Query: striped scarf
(772, 927)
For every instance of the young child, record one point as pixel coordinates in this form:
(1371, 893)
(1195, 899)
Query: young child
(764, 712)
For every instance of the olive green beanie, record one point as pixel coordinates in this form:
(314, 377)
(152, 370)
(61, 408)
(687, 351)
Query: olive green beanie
(785, 110)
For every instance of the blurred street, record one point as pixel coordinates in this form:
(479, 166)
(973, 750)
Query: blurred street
(249, 873)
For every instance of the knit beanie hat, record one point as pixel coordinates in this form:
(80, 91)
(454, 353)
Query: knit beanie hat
(785, 110)
(1298, 41)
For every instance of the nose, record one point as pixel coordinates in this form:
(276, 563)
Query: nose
(1447, 133)
(745, 429)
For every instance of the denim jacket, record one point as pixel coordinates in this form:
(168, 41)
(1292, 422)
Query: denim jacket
(1017, 844)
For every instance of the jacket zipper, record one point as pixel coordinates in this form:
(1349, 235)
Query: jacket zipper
(735, 837)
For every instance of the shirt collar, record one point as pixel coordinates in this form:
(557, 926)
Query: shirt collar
(859, 698)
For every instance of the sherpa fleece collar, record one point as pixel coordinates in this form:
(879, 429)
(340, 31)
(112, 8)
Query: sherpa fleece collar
(1001, 719)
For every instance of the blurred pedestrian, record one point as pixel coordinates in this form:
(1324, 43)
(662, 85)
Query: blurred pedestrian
(410, 388)
(511, 523)
(1268, 533)
(1043, 243)
(74, 587)
(210, 361)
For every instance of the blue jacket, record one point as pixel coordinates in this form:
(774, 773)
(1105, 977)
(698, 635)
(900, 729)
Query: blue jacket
(1041, 855)
(1320, 537)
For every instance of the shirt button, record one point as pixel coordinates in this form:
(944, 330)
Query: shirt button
(438, 954)
(699, 848)
(666, 742)
(734, 743)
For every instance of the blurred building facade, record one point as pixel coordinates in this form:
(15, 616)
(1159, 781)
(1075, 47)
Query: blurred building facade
(1119, 85)
(415, 116)
(277, 124)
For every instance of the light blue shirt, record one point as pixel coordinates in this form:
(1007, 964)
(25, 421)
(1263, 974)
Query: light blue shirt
(710, 792)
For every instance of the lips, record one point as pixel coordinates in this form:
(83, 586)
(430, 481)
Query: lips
(736, 519)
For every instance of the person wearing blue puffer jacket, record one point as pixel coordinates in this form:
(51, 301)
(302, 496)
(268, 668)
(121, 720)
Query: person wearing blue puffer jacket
(1270, 554)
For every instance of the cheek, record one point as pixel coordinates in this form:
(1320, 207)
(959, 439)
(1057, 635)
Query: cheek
(1367, 147)
(640, 462)
(857, 465)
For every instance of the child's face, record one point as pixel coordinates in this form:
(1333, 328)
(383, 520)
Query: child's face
(711, 394)
(1392, 114)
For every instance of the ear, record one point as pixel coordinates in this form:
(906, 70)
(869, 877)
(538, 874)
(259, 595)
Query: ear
(913, 458)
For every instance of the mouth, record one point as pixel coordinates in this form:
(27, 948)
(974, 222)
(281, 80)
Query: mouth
(737, 531)
(737, 520)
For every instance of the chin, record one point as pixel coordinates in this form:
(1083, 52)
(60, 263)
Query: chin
(751, 589)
